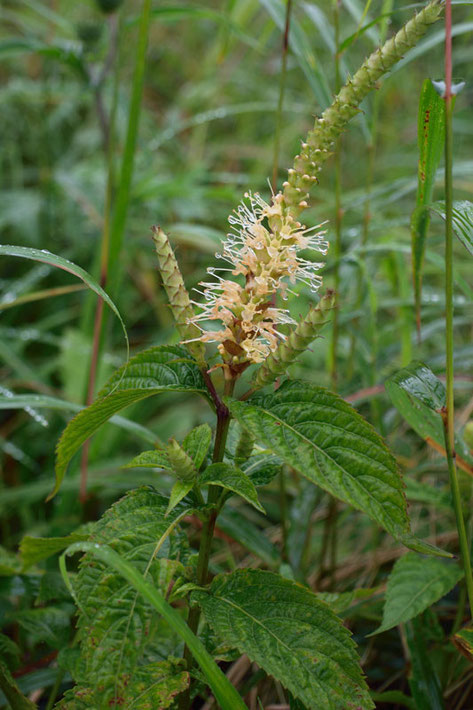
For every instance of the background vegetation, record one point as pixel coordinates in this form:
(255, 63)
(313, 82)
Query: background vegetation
(75, 183)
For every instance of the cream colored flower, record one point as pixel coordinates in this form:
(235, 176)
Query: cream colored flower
(263, 247)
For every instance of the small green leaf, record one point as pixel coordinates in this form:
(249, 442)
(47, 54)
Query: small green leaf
(414, 584)
(462, 220)
(340, 602)
(197, 444)
(150, 459)
(159, 369)
(292, 635)
(179, 491)
(232, 479)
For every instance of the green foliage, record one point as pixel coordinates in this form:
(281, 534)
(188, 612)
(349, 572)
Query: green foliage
(415, 584)
(232, 479)
(290, 633)
(154, 371)
(462, 220)
(326, 440)
(119, 632)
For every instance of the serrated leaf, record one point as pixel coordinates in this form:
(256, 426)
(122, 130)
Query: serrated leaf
(35, 549)
(197, 444)
(166, 368)
(328, 442)
(118, 629)
(419, 396)
(414, 584)
(292, 635)
(462, 220)
(430, 140)
(232, 479)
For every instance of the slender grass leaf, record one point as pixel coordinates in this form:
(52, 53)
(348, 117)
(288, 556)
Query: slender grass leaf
(291, 634)
(414, 584)
(46, 257)
(328, 442)
(232, 479)
(165, 368)
(43, 401)
(430, 140)
(462, 220)
(303, 52)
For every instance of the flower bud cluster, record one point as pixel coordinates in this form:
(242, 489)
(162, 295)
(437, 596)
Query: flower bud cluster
(263, 249)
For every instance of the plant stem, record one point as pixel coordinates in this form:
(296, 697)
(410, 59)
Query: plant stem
(449, 413)
(282, 88)
(223, 422)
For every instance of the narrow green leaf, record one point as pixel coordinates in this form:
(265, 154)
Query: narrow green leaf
(179, 491)
(462, 220)
(395, 697)
(43, 401)
(46, 257)
(159, 369)
(292, 635)
(430, 139)
(423, 679)
(328, 442)
(11, 691)
(414, 584)
(232, 479)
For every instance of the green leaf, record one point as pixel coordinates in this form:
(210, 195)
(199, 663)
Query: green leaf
(414, 584)
(9, 652)
(118, 630)
(340, 602)
(10, 564)
(419, 396)
(430, 140)
(35, 549)
(151, 686)
(179, 491)
(423, 679)
(232, 479)
(327, 441)
(262, 468)
(224, 692)
(197, 444)
(159, 369)
(10, 690)
(292, 635)
(395, 697)
(462, 220)
(50, 625)
(251, 538)
(46, 257)
(150, 459)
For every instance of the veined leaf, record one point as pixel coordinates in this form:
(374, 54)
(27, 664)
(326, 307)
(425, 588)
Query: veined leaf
(233, 479)
(159, 369)
(150, 459)
(462, 220)
(414, 584)
(430, 139)
(327, 441)
(118, 630)
(35, 549)
(419, 396)
(291, 634)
